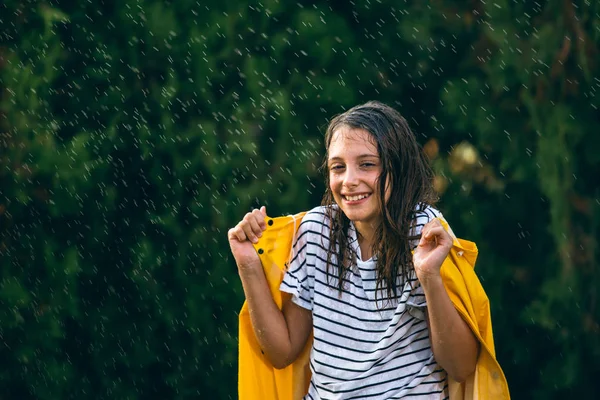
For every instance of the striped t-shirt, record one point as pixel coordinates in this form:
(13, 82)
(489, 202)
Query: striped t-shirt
(363, 348)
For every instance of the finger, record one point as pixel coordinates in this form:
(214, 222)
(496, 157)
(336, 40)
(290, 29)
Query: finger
(255, 229)
(251, 228)
(432, 224)
(236, 234)
(260, 218)
(426, 237)
(438, 236)
(434, 231)
(263, 210)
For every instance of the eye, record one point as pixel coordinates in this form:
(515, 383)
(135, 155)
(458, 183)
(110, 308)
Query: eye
(336, 167)
(367, 164)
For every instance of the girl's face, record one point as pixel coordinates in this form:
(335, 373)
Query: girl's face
(354, 169)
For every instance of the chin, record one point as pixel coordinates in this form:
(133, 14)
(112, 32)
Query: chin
(356, 216)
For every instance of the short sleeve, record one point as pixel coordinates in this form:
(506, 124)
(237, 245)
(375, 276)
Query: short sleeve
(298, 279)
(417, 303)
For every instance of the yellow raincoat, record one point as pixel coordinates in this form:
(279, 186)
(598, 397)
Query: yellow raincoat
(259, 380)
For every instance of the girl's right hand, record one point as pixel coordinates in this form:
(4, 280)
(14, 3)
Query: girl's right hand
(241, 237)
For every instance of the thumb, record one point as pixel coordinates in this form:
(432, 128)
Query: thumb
(263, 210)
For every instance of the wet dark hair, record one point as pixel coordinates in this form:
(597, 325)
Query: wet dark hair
(410, 180)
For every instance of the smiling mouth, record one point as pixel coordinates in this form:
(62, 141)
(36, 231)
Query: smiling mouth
(356, 198)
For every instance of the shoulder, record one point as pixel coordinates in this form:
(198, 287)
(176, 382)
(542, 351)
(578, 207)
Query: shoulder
(424, 213)
(313, 230)
(317, 217)
(314, 227)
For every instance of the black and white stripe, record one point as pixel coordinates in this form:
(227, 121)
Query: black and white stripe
(365, 347)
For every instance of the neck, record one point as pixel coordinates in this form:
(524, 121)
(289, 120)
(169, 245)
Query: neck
(365, 236)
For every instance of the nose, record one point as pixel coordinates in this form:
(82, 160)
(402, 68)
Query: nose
(351, 177)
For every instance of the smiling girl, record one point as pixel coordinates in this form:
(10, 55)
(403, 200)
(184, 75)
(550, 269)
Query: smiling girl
(364, 277)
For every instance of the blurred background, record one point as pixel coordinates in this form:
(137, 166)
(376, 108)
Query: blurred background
(134, 133)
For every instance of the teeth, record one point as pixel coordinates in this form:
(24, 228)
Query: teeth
(356, 198)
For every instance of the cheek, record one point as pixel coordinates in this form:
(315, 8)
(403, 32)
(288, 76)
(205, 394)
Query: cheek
(334, 182)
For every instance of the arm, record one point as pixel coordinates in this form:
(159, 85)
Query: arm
(454, 346)
(281, 334)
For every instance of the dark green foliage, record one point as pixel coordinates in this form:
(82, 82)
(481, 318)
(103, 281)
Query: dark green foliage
(133, 134)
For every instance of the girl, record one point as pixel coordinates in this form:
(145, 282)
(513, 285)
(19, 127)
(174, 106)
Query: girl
(365, 273)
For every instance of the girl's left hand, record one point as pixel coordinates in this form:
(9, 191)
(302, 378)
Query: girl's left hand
(433, 248)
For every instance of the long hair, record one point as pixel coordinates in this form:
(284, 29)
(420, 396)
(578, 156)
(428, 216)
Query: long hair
(409, 176)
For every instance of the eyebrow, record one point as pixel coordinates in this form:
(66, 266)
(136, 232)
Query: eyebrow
(360, 156)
